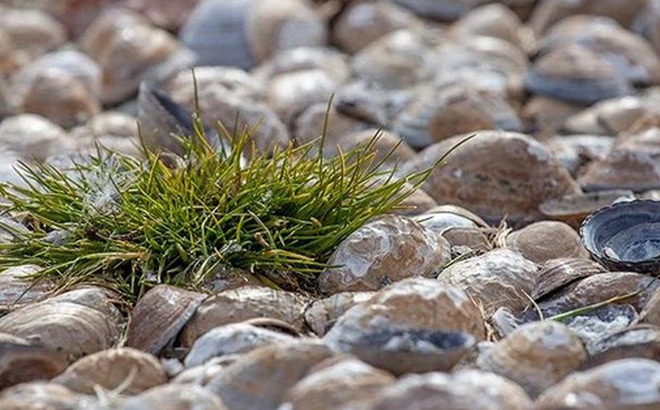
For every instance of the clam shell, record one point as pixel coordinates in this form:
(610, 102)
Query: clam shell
(608, 117)
(201, 375)
(7, 63)
(467, 241)
(175, 396)
(548, 12)
(163, 13)
(310, 125)
(242, 304)
(33, 33)
(440, 9)
(517, 357)
(573, 209)
(557, 273)
(328, 60)
(134, 370)
(23, 362)
(33, 137)
(261, 378)
(595, 325)
(621, 384)
(651, 313)
(42, 395)
(243, 33)
(17, 291)
(389, 150)
(625, 236)
(575, 74)
(159, 316)
(642, 341)
(545, 240)
(322, 314)
(368, 102)
(545, 116)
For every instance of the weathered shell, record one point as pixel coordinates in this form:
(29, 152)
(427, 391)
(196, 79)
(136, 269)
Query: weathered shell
(548, 12)
(132, 369)
(576, 152)
(243, 33)
(369, 102)
(622, 384)
(234, 338)
(159, 316)
(608, 117)
(328, 60)
(546, 240)
(397, 60)
(625, 236)
(557, 273)
(129, 50)
(311, 124)
(545, 116)
(17, 290)
(336, 383)
(641, 341)
(201, 375)
(651, 313)
(383, 251)
(242, 304)
(517, 357)
(42, 395)
(505, 167)
(170, 15)
(175, 397)
(322, 314)
(440, 220)
(7, 59)
(32, 33)
(261, 378)
(467, 241)
(33, 137)
(418, 202)
(497, 278)
(573, 209)
(465, 389)
(22, 362)
(596, 324)
(576, 74)
(440, 9)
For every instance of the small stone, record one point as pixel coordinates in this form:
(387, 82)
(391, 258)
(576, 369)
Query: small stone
(545, 240)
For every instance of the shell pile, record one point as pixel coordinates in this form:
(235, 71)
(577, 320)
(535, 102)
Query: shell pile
(521, 274)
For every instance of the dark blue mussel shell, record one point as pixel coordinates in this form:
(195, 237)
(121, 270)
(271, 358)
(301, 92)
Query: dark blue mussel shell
(625, 236)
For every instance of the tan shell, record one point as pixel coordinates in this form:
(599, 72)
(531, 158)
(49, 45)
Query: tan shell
(519, 355)
(311, 123)
(336, 383)
(548, 12)
(547, 115)
(129, 50)
(32, 33)
(390, 150)
(41, 395)
(608, 117)
(574, 152)
(465, 389)
(322, 314)
(328, 60)
(362, 23)
(497, 278)
(166, 14)
(33, 137)
(464, 240)
(201, 375)
(175, 397)
(261, 378)
(383, 251)
(557, 273)
(651, 313)
(132, 369)
(108, 126)
(241, 304)
(159, 316)
(574, 209)
(7, 63)
(21, 362)
(505, 167)
(546, 240)
(16, 291)
(640, 341)
(417, 203)
(622, 384)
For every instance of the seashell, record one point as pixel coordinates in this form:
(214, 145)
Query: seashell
(212, 83)
(609, 117)
(573, 209)
(94, 297)
(21, 362)
(444, 10)
(332, 62)
(107, 126)
(546, 240)
(243, 33)
(646, 23)
(338, 382)
(241, 304)
(625, 236)
(548, 12)
(574, 152)
(175, 396)
(261, 378)
(517, 356)
(33, 137)
(440, 221)
(397, 60)
(576, 74)
(7, 63)
(201, 375)
(130, 51)
(41, 395)
(546, 116)
(494, 20)
(497, 278)
(234, 338)
(17, 290)
(32, 33)
(163, 13)
(402, 350)
(322, 314)
(595, 325)
(402, 307)
(641, 341)
(311, 124)
(71, 328)
(557, 273)
(505, 167)
(621, 384)
(467, 241)
(159, 316)
(651, 312)
(368, 102)
(133, 370)
(361, 24)
(437, 115)
(383, 251)
(465, 389)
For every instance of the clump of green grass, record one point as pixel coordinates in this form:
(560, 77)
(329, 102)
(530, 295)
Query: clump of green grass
(129, 223)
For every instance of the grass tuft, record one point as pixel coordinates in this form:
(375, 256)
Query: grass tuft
(128, 223)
